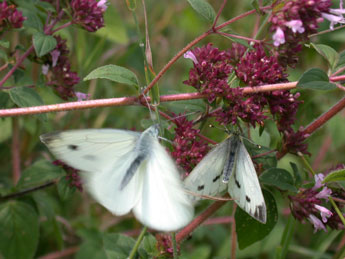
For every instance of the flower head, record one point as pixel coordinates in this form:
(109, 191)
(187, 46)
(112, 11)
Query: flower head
(88, 14)
(278, 37)
(72, 175)
(10, 17)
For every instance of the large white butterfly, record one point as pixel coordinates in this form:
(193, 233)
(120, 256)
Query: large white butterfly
(126, 170)
(228, 166)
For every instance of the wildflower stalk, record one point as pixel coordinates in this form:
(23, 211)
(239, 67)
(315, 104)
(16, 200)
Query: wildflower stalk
(341, 216)
(173, 240)
(137, 243)
(306, 163)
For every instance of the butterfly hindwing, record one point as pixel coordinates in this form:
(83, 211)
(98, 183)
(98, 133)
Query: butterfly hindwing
(163, 203)
(244, 186)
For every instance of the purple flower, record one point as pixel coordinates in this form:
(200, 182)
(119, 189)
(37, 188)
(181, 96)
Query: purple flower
(55, 56)
(189, 54)
(324, 193)
(103, 5)
(325, 213)
(318, 181)
(295, 26)
(334, 19)
(278, 37)
(317, 223)
(82, 96)
(45, 69)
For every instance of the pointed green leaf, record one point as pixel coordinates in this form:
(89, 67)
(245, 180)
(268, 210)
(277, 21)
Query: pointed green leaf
(43, 44)
(203, 8)
(335, 176)
(26, 97)
(40, 172)
(19, 230)
(257, 231)
(328, 53)
(279, 178)
(315, 79)
(114, 73)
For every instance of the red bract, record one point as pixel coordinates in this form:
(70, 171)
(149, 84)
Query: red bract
(189, 149)
(88, 14)
(10, 17)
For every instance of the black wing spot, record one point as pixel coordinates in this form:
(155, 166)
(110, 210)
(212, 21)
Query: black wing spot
(247, 199)
(89, 157)
(216, 178)
(201, 187)
(238, 184)
(73, 147)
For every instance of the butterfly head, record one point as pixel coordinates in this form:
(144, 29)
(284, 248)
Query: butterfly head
(154, 130)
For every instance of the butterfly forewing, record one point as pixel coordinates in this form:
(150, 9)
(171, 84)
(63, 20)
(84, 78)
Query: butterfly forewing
(244, 186)
(206, 177)
(92, 149)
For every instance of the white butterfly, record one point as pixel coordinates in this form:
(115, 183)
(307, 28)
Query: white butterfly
(126, 170)
(228, 166)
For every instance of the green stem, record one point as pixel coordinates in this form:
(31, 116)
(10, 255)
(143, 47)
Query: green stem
(173, 240)
(337, 210)
(306, 163)
(137, 244)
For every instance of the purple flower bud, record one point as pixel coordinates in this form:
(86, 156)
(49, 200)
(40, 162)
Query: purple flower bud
(55, 56)
(278, 37)
(189, 54)
(318, 181)
(82, 96)
(45, 69)
(295, 26)
(103, 5)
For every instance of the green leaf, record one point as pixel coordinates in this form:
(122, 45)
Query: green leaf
(4, 98)
(4, 44)
(341, 62)
(315, 79)
(115, 29)
(32, 20)
(335, 176)
(250, 230)
(40, 172)
(99, 245)
(114, 73)
(26, 97)
(19, 230)
(328, 53)
(149, 245)
(43, 43)
(279, 178)
(64, 188)
(204, 8)
(123, 247)
(297, 175)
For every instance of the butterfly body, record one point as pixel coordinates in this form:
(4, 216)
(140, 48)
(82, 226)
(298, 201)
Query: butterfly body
(125, 170)
(228, 166)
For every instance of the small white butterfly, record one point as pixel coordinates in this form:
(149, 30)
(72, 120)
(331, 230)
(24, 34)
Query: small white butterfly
(228, 166)
(126, 170)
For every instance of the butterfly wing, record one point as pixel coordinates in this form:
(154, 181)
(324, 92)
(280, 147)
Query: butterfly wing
(90, 150)
(245, 188)
(103, 156)
(163, 205)
(206, 177)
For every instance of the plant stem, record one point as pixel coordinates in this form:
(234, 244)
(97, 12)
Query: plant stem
(137, 244)
(341, 216)
(306, 163)
(15, 150)
(173, 240)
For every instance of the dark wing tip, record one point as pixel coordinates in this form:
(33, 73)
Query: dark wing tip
(49, 137)
(260, 213)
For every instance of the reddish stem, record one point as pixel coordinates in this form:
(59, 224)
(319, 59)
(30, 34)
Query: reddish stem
(198, 220)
